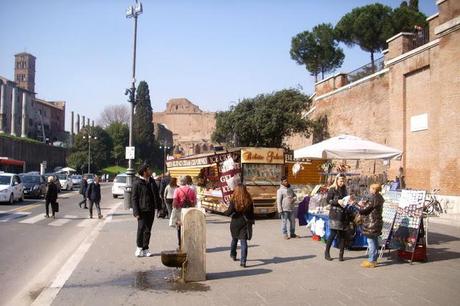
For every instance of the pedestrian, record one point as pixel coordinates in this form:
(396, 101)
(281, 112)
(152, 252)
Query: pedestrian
(193, 187)
(241, 210)
(169, 194)
(83, 187)
(51, 197)
(145, 199)
(184, 197)
(93, 194)
(285, 202)
(371, 212)
(337, 215)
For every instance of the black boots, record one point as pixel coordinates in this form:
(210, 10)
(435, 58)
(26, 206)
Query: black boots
(327, 256)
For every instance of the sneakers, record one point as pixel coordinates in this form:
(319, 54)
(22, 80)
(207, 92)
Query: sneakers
(369, 264)
(47, 216)
(233, 257)
(139, 252)
(294, 236)
(100, 216)
(147, 253)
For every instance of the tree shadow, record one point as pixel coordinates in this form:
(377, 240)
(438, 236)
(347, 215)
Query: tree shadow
(236, 273)
(437, 238)
(279, 260)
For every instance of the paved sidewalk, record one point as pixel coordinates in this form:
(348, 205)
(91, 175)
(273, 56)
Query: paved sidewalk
(279, 272)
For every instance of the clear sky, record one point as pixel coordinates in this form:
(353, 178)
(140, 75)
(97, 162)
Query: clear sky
(212, 52)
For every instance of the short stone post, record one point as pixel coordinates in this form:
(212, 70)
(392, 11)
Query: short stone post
(194, 244)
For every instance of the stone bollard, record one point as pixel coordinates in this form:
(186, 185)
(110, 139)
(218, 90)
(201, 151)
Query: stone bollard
(193, 236)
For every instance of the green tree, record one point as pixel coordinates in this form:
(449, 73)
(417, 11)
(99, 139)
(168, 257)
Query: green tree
(264, 120)
(119, 133)
(146, 147)
(405, 18)
(101, 146)
(368, 27)
(318, 50)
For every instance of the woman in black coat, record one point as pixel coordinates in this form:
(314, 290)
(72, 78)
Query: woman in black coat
(337, 215)
(241, 210)
(51, 197)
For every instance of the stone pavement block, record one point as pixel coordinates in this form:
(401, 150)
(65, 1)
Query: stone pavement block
(280, 272)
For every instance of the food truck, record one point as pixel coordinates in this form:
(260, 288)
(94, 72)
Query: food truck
(216, 175)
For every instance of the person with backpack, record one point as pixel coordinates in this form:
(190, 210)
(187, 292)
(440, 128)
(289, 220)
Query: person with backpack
(184, 197)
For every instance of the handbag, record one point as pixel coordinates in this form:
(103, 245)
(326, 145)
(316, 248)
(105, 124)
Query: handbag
(249, 224)
(56, 207)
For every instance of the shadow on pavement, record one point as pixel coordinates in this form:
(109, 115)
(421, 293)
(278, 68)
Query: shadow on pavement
(237, 273)
(437, 238)
(279, 260)
(224, 249)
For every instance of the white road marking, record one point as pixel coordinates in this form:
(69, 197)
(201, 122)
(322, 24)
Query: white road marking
(85, 223)
(33, 220)
(59, 222)
(11, 215)
(48, 294)
(70, 217)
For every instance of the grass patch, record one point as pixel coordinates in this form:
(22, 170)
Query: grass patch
(114, 170)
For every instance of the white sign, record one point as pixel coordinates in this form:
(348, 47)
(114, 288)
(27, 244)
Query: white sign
(419, 123)
(129, 153)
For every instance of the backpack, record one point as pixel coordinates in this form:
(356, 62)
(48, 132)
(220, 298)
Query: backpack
(186, 203)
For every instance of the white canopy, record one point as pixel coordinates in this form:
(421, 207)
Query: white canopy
(347, 147)
(67, 169)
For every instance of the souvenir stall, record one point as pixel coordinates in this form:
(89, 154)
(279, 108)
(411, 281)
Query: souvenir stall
(343, 147)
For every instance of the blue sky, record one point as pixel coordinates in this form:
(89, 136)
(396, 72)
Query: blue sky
(211, 52)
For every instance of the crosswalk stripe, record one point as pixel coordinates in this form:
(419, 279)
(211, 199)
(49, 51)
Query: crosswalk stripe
(59, 222)
(85, 223)
(32, 220)
(6, 216)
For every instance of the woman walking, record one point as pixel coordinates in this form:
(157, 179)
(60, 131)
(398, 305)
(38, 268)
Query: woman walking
(51, 197)
(169, 194)
(337, 215)
(371, 211)
(184, 197)
(241, 210)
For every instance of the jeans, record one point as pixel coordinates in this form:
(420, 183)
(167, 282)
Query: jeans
(144, 228)
(244, 249)
(169, 206)
(341, 236)
(373, 246)
(285, 217)
(83, 201)
(98, 208)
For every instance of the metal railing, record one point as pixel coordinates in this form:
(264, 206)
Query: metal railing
(366, 70)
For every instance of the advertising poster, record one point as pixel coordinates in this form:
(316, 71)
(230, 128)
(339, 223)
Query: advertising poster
(230, 177)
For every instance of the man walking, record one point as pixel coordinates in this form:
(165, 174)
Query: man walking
(83, 187)
(164, 182)
(285, 201)
(93, 193)
(145, 198)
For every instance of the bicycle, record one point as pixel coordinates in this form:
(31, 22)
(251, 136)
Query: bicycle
(432, 206)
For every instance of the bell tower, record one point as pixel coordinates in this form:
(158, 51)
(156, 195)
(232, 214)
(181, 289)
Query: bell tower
(24, 71)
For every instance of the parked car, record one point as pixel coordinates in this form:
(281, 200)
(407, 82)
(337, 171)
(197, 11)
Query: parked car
(34, 185)
(65, 180)
(11, 188)
(89, 177)
(119, 185)
(56, 180)
(76, 180)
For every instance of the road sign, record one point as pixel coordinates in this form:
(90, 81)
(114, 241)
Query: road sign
(129, 153)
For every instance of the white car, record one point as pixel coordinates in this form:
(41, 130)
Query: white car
(11, 188)
(65, 180)
(119, 185)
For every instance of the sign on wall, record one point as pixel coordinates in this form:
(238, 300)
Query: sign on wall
(419, 122)
(262, 156)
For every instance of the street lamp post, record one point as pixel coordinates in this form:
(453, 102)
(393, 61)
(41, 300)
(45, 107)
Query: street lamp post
(132, 12)
(89, 137)
(164, 147)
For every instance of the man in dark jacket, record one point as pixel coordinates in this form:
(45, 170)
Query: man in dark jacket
(93, 194)
(83, 187)
(145, 199)
(51, 197)
(166, 179)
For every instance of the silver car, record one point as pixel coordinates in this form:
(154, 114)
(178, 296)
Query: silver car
(119, 185)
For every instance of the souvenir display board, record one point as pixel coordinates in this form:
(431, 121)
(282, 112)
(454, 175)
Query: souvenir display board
(408, 220)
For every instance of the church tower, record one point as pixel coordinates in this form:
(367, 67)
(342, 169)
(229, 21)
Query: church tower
(24, 71)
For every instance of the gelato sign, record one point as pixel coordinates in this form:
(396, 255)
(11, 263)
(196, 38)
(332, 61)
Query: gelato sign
(262, 156)
(230, 177)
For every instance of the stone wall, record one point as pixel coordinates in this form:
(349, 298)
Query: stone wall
(33, 153)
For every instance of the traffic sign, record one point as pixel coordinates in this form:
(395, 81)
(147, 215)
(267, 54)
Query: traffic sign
(129, 153)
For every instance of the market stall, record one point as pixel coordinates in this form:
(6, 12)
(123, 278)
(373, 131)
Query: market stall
(343, 147)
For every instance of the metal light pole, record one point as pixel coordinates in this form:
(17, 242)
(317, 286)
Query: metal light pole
(89, 137)
(164, 147)
(132, 12)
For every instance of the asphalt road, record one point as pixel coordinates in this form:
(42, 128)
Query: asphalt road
(33, 248)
